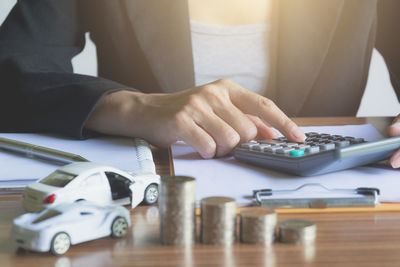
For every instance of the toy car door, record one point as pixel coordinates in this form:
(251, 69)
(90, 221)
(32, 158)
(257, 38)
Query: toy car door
(97, 189)
(88, 225)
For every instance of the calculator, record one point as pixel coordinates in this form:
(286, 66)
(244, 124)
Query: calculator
(320, 153)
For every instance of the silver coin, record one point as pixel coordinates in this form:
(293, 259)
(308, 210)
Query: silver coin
(177, 205)
(257, 225)
(218, 220)
(297, 231)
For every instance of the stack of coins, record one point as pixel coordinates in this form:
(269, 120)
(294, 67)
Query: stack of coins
(177, 210)
(297, 231)
(218, 220)
(257, 225)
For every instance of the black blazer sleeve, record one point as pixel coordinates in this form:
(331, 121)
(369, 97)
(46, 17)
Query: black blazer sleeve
(388, 39)
(38, 90)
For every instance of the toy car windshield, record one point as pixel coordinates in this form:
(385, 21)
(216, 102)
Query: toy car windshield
(58, 179)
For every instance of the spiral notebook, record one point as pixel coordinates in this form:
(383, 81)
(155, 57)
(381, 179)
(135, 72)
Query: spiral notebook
(129, 154)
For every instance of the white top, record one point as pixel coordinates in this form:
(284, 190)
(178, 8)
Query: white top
(239, 53)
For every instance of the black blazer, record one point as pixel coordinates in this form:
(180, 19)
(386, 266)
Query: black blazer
(321, 54)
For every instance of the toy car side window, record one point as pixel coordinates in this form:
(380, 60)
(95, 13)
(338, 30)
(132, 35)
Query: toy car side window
(116, 176)
(119, 185)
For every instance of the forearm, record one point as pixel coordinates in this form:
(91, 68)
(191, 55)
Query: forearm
(40, 92)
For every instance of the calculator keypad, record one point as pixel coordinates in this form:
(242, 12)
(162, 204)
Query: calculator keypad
(314, 143)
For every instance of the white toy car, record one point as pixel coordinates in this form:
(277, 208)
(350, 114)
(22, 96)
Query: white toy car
(92, 182)
(55, 229)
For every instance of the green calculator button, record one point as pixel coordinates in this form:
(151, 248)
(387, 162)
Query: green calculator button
(297, 153)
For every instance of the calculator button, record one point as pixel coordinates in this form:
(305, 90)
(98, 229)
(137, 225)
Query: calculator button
(357, 141)
(272, 149)
(338, 139)
(311, 134)
(290, 144)
(297, 153)
(342, 143)
(260, 147)
(315, 144)
(283, 139)
(312, 150)
(325, 141)
(302, 146)
(328, 146)
(248, 145)
(284, 150)
(272, 142)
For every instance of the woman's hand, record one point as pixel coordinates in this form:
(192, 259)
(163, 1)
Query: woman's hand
(213, 118)
(394, 130)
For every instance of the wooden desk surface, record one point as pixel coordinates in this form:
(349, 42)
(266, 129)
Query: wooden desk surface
(343, 239)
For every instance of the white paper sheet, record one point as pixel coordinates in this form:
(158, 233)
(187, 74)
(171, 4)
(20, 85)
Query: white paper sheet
(16, 170)
(228, 177)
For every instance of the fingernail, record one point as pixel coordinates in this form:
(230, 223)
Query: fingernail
(206, 156)
(396, 124)
(298, 134)
(395, 162)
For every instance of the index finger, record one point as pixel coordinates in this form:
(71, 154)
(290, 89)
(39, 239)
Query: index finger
(254, 104)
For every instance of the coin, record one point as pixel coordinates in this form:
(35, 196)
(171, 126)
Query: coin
(297, 231)
(177, 210)
(257, 225)
(218, 220)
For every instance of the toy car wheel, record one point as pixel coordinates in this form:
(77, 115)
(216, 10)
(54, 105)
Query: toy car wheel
(119, 227)
(151, 194)
(60, 243)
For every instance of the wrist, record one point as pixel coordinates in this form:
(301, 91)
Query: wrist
(115, 113)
